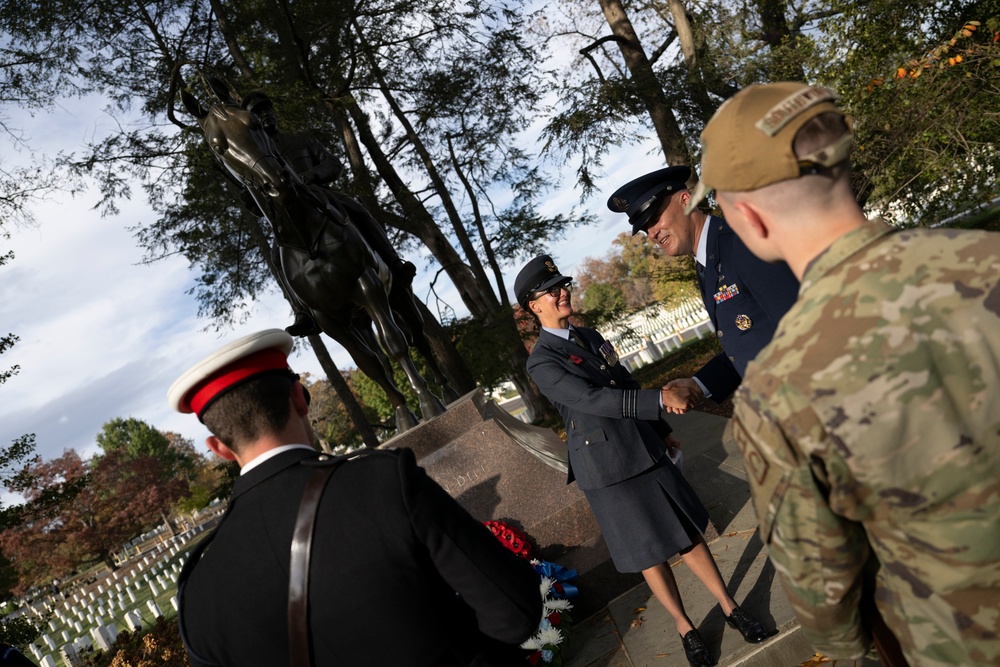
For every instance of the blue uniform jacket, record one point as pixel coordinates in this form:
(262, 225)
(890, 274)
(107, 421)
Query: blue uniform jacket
(745, 298)
(613, 426)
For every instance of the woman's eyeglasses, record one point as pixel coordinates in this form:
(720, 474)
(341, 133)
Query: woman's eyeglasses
(554, 291)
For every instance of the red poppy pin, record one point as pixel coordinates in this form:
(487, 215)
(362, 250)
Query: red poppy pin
(575, 359)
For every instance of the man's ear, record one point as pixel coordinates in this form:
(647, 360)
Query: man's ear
(683, 197)
(220, 448)
(753, 222)
(299, 401)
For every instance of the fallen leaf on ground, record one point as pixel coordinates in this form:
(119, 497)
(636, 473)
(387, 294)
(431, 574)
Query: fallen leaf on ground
(817, 659)
(637, 622)
(638, 610)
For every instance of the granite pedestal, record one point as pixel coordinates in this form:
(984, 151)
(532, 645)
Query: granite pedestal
(474, 451)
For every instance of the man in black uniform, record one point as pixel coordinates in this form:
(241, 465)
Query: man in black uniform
(401, 575)
(745, 296)
(315, 165)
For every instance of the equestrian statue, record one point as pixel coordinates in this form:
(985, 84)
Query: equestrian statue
(325, 263)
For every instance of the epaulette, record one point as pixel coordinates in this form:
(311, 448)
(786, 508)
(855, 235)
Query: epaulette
(332, 460)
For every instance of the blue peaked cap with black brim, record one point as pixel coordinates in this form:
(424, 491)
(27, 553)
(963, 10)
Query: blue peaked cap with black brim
(639, 199)
(537, 275)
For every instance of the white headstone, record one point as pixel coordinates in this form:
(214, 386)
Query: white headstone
(110, 632)
(153, 590)
(47, 661)
(154, 609)
(68, 654)
(78, 627)
(99, 640)
(133, 620)
(83, 643)
(48, 641)
(173, 602)
(65, 635)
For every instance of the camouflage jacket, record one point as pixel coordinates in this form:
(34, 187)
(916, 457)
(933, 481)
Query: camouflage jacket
(870, 428)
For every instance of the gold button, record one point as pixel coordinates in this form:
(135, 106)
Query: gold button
(612, 383)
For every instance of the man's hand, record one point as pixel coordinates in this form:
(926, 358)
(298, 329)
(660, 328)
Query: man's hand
(680, 395)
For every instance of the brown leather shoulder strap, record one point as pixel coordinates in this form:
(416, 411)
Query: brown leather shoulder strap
(298, 571)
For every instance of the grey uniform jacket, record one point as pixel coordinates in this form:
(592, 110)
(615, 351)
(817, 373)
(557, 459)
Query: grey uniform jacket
(613, 426)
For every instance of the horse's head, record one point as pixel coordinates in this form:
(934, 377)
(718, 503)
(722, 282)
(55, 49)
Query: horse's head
(237, 139)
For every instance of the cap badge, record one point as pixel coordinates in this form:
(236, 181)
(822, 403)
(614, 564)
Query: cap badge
(620, 203)
(551, 267)
(725, 293)
(743, 322)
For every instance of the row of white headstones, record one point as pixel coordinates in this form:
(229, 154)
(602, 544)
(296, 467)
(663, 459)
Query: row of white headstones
(114, 598)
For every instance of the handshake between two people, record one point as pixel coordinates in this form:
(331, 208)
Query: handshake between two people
(680, 395)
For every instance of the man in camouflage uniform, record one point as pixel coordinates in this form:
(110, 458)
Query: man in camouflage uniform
(870, 425)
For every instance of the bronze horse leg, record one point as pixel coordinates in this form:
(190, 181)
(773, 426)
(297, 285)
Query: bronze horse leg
(394, 340)
(368, 361)
(410, 319)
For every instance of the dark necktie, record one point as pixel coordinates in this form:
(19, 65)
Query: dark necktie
(701, 275)
(577, 338)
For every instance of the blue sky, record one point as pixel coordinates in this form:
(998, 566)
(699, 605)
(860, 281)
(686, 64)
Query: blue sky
(104, 336)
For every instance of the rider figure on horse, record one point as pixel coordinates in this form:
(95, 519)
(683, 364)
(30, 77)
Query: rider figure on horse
(315, 165)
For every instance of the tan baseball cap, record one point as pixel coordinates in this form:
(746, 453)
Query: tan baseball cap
(748, 142)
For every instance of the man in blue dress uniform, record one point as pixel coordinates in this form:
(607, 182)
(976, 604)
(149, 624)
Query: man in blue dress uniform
(745, 297)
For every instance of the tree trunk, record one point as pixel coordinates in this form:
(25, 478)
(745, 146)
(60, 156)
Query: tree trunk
(457, 226)
(339, 385)
(452, 364)
(775, 31)
(675, 149)
(423, 226)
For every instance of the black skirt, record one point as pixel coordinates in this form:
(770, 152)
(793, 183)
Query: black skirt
(648, 518)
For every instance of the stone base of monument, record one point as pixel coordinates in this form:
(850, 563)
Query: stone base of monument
(473, 451)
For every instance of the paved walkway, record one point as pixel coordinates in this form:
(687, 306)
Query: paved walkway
(634, 630)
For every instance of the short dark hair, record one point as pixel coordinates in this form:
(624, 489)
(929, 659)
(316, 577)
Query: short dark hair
(252, 409)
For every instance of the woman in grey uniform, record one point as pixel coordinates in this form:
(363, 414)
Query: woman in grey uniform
(618, 456)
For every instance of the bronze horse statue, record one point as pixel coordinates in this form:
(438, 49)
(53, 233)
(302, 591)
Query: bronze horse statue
(325, 262)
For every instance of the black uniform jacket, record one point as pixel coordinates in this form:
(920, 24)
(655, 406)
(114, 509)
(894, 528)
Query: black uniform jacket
(613, 426)
(400, 573)
(745, 298)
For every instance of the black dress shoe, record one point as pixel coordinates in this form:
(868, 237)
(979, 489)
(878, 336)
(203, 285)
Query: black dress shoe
(749, 627)
(304, 325)
(696, 651)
